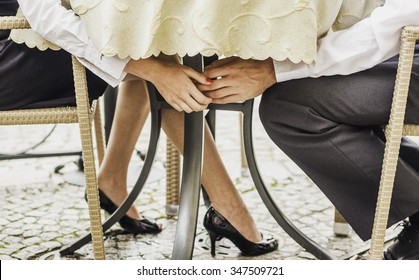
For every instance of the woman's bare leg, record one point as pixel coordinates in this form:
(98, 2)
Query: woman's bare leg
(130, 115)
(221, 190)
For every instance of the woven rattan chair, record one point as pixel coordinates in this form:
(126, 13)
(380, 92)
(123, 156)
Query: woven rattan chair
(83, 114)
(172, 179)
(394, 132)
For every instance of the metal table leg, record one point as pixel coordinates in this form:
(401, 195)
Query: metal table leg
(210, 118)
(191, 178)
(109, 101)
(190, 188)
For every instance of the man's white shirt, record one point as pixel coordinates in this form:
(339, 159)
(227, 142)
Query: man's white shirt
(364, 45)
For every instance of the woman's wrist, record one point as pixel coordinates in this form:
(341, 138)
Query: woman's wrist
(146, 68)
(151, 67)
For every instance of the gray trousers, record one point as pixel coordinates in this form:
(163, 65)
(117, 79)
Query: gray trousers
(331, 127)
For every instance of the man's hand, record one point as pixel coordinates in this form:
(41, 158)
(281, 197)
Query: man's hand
(236, 79)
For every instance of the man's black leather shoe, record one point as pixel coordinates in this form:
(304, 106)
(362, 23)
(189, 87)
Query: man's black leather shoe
(406, 246)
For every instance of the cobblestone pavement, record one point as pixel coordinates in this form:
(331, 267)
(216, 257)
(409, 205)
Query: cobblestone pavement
(41, 211)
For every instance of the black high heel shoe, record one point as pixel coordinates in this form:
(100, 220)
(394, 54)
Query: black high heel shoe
(218, 226)
(129, 224)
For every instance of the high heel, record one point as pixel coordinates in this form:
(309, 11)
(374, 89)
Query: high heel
(129, 224)
(218, 226)
(213, 238)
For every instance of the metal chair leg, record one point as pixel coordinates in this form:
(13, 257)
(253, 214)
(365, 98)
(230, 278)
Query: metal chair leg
(100, 143)
(280, 217)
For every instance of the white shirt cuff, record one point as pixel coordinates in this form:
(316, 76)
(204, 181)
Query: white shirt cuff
(287, 70)
(112, 80)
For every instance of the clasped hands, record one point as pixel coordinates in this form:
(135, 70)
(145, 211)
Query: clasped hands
(224, 81)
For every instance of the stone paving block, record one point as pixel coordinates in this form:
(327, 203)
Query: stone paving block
(50, 245)
(306, 255)
(12, 248)
(31, 233)
(309, 221)
(31, 240)
(15, 217)
(29, 220)
(36, 213)
(29, 252)
(70, 230)
(70, 212)
(67, 239)
(49, 222)
(32, 175)
(303, 211)
(42, 202)
(51, 228)
(11, 201)
(48, 236)
(31, 226)
(14, 225)
(6, 257)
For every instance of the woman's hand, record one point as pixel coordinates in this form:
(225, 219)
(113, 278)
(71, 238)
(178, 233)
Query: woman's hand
(174, 82)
